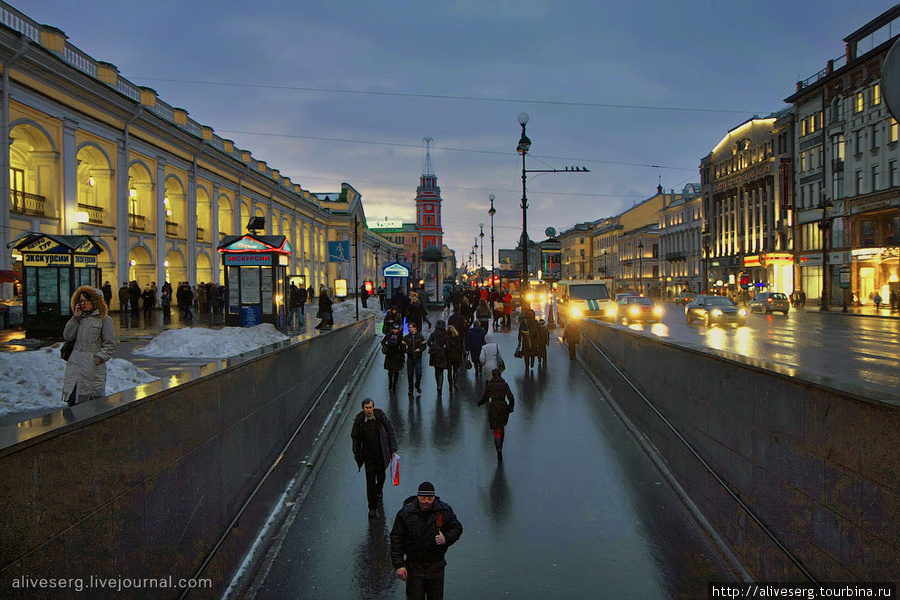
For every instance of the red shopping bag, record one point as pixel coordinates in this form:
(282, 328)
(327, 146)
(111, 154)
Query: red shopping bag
(395, 469)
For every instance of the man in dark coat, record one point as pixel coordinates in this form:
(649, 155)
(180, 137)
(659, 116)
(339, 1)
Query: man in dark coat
(294, 307)
(474, 343)
(571, 335)
(423, 530)
(374, 443)
(497, 391)
(134, 291)
(414, 346)
(392, 348)
(364, 295)
(124, 297)
(438, 357)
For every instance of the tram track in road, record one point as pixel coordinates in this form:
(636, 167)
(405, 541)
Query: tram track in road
(654, 456)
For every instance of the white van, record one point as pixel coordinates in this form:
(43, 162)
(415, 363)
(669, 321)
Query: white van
(584, 298)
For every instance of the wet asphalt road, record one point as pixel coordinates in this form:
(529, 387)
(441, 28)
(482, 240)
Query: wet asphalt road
(575, 510)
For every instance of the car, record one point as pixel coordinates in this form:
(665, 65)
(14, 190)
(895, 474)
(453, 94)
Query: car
(714, 309)
(622, 295)
(638, 308)
(684, 298)
(767, 302)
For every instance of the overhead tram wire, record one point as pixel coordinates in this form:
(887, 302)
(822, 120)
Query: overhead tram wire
(452, 97)
(448, 149)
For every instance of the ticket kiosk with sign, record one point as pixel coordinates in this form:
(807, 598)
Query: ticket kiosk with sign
(255, 279)
(396, 278)
(54, 267)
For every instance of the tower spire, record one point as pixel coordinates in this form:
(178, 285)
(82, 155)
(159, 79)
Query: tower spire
(428, 168)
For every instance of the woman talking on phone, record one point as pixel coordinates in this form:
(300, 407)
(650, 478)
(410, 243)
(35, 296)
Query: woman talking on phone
(91, 328)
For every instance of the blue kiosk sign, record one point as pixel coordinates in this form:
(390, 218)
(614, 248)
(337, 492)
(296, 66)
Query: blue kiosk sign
(255, 279)
(396, 277)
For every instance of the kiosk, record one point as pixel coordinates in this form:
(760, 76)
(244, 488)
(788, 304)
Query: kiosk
(396, 276)
(255, 279)
(54, 267)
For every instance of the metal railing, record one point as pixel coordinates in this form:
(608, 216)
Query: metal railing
(95, 213)
(171, 229)
(201, 234)
(26, 204)
(137, 222)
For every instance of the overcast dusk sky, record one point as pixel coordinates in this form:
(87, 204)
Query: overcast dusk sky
(339, 91)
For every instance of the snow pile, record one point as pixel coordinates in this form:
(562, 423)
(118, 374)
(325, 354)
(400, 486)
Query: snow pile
(34, 380)
(199, 342)
(345, 313)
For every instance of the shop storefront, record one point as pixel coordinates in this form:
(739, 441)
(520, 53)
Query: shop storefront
(875, 270)
(771, 272)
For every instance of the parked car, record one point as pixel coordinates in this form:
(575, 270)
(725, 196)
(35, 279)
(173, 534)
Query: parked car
(767, 302)
(638, 308)
(684, 298)
(714, 309)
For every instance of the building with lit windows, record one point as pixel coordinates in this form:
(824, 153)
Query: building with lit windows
(681, 241)
(87, 152)
(848, 193)
(575, 251)
(748, 238)
(606, 237)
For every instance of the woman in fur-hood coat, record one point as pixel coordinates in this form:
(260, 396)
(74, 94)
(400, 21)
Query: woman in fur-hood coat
(95, 341)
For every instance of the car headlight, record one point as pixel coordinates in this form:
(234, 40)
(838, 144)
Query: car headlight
(529, 297)
(610, 312)
(577, 312)
(634, 310)
(743, 312)
(657, 310)
(716, 312)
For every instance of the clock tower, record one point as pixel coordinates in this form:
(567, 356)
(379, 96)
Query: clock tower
(428, 206)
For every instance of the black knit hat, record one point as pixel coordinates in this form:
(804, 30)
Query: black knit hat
(426, 488)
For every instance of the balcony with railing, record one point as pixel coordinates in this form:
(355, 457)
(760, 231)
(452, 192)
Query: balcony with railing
(201, 234)
(95, 213)
(674, 256)
(137, 222)
(171, 229)
(27, 204)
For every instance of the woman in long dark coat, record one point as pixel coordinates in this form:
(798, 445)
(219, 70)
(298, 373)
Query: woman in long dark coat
(438, 358)
(325, 311)
(497, 391)
(454, 355)
(392, 347)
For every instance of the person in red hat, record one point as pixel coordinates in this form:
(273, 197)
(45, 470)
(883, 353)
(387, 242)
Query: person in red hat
(423, 530)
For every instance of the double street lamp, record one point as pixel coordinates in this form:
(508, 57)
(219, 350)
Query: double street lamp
(481, 235)
(492, 212)
(522, 148)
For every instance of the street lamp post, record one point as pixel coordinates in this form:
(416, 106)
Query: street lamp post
(522, 148)
(492, 212)
(641, 265)
(704, 271)
(825, 225)
(481, 235)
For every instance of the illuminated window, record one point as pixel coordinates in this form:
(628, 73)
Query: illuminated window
(876, 94)
(812, 124)
(894, 131)
(803, 127)
(859, 102)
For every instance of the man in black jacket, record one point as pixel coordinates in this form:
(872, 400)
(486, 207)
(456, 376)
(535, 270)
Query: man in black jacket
(423, 530)
(414, 346)
(374, 443)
